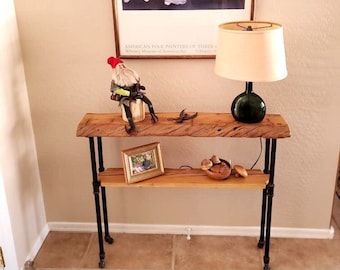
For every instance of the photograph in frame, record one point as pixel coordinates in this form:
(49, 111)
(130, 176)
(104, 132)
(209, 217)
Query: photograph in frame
(142, 162)
(164, 29)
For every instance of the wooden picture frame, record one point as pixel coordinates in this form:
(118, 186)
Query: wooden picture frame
(142, 162)
(150, 30)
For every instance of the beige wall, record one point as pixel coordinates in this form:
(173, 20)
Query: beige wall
(65, 45)
(22, 212)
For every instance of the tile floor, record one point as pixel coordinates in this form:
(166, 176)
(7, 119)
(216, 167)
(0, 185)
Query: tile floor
(75, 250)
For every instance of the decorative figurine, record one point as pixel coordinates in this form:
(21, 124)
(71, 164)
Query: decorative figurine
(220, 169)
(239, 170)
(126, 88)
(182, 117)
(216, 168)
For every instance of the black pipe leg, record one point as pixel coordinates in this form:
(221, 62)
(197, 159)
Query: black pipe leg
(270, 195)
(108, 237)
(264, 195)
(100, 233)
(260, 244)
(267, 156)
(101, 168)
(266, 257)
(100, 154)
(95, 185)
(266, 267)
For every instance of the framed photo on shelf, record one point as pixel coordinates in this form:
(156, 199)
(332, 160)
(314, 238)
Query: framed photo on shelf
(173, 28)
(142, 162)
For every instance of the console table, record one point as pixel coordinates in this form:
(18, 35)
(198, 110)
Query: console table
(98, 125)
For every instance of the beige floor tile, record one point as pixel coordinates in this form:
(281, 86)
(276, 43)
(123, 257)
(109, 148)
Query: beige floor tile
(62, 250)
(133, 252)
(68, 250)
(305, 254)
(216, 252)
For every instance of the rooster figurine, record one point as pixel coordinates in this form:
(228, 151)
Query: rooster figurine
(126, 87)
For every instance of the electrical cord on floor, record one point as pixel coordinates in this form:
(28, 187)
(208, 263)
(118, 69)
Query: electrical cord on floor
(261, 147)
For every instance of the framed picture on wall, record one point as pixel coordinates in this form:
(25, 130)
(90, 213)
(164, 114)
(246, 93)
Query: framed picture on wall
(173, 28)
(142, 162)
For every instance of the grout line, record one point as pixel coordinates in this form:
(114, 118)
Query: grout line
(85, 255)
(173, 255)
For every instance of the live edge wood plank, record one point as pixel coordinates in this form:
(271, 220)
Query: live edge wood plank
(204, 125)
(185, 178)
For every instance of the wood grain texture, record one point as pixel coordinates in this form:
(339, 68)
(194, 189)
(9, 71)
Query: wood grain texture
(204, 125)
(185, 178)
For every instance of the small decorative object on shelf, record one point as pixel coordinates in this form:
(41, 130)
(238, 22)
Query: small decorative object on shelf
(239, 170)
(183, 116)
(142, 162)
(216, 168)
(126, 88)
(220, 169)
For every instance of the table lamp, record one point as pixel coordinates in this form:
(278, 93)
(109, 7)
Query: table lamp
(250, 51)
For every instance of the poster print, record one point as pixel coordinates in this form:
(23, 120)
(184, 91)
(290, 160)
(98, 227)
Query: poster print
(173, 28)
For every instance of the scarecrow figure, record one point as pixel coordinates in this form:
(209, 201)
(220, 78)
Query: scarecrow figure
(126, 87)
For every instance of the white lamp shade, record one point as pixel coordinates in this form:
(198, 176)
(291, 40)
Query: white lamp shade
(254, 56)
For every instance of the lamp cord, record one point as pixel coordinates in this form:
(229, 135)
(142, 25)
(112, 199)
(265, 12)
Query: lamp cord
(258, 158)
(261, 147)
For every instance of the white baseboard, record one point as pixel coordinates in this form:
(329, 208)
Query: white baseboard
(195, 230)
(37, 245)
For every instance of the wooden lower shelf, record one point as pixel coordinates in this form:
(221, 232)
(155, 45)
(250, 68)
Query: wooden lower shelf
(185, 178)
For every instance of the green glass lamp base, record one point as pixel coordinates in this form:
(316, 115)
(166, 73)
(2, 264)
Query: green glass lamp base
(248, 107)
